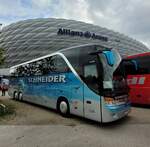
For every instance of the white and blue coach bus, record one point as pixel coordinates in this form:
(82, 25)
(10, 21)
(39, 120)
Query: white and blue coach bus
(83, 80)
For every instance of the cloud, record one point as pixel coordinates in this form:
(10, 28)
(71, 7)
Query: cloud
(11, 8)
(73, 9)
(129, 17)
(11, 11)
(41, 4)
(138, 21)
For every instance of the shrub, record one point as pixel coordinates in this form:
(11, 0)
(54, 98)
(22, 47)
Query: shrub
(6, 109)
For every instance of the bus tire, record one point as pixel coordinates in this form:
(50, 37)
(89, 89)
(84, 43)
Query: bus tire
(20, 96)
(63, 107)
(15, 95)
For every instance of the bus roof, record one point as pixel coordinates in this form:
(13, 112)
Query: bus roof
(138, 55)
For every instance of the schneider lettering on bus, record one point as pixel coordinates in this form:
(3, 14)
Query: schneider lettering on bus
(48, 79)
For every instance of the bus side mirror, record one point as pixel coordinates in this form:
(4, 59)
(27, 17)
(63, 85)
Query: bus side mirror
(110, 57)
(12, 71)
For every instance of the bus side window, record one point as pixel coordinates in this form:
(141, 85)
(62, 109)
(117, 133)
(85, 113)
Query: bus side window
(43, 67)
(14, 72)
(129, 68)
(137, 66)
(20, 71)
(91, 76)
(57, 64)
(144, 67)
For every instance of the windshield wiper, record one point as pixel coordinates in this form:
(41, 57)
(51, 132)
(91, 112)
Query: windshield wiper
(100, 51)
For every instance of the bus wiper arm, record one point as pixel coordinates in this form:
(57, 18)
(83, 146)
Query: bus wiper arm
(99, 52)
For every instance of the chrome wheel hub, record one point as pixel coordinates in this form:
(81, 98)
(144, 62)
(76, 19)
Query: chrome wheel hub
(20, 96)
(16, 95)
(63, 107)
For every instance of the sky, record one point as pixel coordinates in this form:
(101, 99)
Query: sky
(130, 17)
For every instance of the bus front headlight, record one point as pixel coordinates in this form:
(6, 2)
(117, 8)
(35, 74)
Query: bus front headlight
(109, 100)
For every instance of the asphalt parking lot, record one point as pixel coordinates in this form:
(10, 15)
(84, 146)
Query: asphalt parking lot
(37, 126)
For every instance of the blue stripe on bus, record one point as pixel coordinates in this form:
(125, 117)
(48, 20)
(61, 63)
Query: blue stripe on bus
(55, 89)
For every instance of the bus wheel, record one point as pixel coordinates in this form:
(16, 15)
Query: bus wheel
(20, 96)
(15, 95)
(63, 107)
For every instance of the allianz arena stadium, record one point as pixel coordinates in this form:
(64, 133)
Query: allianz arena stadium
(29, 39)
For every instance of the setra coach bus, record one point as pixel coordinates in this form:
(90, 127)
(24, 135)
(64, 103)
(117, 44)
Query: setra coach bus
(82, 80)
(137, 68)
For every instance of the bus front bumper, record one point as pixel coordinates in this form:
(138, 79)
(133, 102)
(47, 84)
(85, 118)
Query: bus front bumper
(115, 112)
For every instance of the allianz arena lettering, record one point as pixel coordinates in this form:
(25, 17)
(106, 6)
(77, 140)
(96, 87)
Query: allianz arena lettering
(86, 34)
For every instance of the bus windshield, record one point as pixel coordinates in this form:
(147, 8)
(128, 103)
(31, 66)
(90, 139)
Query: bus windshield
(136, 66)
(99, 69)
(114, 82)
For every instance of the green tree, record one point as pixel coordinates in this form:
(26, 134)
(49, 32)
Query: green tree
(2, 56)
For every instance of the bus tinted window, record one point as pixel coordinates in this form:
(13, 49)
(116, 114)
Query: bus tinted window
(85, 65)
(143, 65)
(91, 76)
(58, 64)
(139, 65)
(129, 67)
(79, 57)
(74, 58)
(42, 67)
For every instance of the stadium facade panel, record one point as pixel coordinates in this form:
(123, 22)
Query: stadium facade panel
(29, 39)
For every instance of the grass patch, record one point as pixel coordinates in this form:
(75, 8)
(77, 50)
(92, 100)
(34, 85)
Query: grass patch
(6, 108)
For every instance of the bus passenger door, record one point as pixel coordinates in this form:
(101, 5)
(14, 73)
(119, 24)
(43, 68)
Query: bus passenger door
(92, 103)
(76, 105)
